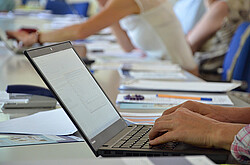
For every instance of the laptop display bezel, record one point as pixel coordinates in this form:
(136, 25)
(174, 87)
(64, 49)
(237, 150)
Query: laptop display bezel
(105, 135)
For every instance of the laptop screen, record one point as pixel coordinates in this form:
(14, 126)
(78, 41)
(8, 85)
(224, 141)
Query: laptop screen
(78, 91)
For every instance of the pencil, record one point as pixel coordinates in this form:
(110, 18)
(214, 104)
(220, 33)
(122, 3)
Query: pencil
(184, 97)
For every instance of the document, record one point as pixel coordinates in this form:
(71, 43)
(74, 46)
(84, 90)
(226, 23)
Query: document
(141, 118)
(53, 122)
(154, 66)
(217, 99)
(4, 98)
(21, 140)
(178, 86)
(151, 75)
(145, 106)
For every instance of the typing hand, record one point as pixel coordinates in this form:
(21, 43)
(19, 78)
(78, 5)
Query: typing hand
(24, 38)
(212, 111)
(186, 126)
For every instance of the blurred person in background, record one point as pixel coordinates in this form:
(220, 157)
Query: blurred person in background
(210, 38)
(145, 24)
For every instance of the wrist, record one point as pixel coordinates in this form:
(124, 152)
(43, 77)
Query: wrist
(224, 134)
(38, 38)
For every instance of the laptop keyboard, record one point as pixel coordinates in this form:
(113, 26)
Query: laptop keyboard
(138, 138)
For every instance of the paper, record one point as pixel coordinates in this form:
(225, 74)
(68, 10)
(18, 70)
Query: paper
(178, 86)
(54, 122)
(102, 49)
(141, 118)
(20, 140)
(4, 98)
(152, 75)
(217, 99)
(145, 106)
(164, 66)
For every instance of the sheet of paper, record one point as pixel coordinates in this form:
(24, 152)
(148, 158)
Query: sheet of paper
(20, 140)
(167, 67)
(141, 118)
(4, 98)
(152, 75)
(178, 86)
(53, 122)
(145, 106)
(217, 99)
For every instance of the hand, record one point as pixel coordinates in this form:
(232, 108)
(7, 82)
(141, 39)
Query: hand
(212, 111)
(26, 39)
(186, 126)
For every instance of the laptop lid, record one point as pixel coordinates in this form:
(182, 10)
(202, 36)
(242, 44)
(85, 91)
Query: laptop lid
(77, 92)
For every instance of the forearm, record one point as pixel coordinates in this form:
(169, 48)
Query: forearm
(79, 31)
(209, 24)
(239, 115)
(68, 33)
(224, 134)
(234, 114)
(112, 12)
(122, 37)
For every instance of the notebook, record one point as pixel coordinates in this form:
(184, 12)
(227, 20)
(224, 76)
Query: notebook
(89, 108)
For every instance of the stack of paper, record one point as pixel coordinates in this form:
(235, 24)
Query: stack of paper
(141, 118)
(152, 75)
(178, 86)
(218, 99)
(145, 106)
(4, 98)
(165, 66)
(20, 140)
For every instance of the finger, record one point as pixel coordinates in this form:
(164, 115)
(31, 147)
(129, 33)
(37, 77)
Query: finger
(171, 110)
(160, 127)
(164, 118)
(167, 137)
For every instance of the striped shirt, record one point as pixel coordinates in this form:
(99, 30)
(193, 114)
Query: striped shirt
(240, 147)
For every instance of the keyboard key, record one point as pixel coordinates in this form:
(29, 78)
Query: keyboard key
(117, 145)
(147, 146)
(136, 147)
(126, 138)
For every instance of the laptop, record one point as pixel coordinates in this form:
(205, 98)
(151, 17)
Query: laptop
(11, 44)
(89, 108)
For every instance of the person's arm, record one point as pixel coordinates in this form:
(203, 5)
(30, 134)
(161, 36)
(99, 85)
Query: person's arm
(113, 11)
(189, 127)
(121, 35)
(220, 113)
(209, 24)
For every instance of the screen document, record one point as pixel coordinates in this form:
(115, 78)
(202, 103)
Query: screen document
(79, 92)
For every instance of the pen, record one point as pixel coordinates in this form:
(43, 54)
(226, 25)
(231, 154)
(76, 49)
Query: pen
(184, 97)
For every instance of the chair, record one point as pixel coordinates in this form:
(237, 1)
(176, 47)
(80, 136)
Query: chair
(237, 60)
(62, 7)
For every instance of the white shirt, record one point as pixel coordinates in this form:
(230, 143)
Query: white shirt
(156, 30)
